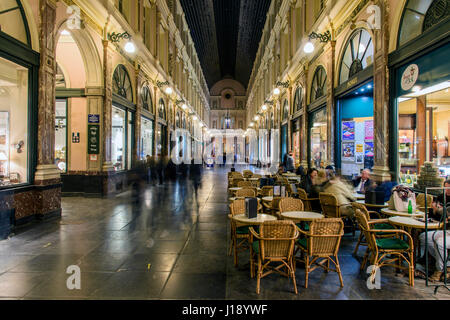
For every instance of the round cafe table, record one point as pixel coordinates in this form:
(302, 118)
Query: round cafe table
(235, 188)
(252, 179)
(260, 219)
(374, 206)
(267, 199)
(298, 216)
(394, 213)
(359, 196)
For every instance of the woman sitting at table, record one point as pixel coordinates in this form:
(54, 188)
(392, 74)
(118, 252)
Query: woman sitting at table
(343, 193)
(309, 182)
(436, 238)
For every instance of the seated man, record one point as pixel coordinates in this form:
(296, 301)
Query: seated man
(362, 182)
(343, 193)
(290, 167)
(436, 238)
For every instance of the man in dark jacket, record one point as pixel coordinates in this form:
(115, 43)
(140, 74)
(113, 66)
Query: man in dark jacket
(290, 167)
(308, 183)
(362, 182)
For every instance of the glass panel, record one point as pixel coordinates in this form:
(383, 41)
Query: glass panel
(318, 134)
(424, 128)
(13, 123)
(130, 134)
(146, 138)
(411, 26)
(61, 135)
(11, 21)
(118, 138)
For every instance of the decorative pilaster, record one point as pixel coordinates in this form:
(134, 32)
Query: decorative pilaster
(331, 54)
(46, 171)
(107, 106)
(381, 170)
(137, 122)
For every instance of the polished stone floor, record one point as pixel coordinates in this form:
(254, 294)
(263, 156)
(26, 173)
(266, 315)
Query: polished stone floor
(172, 246)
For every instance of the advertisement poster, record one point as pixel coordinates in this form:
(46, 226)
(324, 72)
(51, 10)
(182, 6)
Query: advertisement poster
(369, 129)
(369, 152)
(359, 132)
(348, 130)
(348, 151)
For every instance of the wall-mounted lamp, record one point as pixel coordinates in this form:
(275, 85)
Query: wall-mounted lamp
(276, 91)
(116, 37)
(323, 37)
(19, 146)
(165, 83)
(283, 84)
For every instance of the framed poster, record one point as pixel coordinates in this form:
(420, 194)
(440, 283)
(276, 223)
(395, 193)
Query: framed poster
(368, 129)
(93, 139)
(348, 151)
(348, 130)
(369, 151)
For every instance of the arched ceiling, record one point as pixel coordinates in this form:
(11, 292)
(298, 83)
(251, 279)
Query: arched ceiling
(226, 34)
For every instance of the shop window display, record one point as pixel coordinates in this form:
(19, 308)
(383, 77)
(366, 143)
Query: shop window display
(146, 138)
(318, 134)
(13, 123)
(118, 138)
(61, 135)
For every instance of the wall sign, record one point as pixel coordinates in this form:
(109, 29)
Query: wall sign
(93, 118)
(75, 137)
(409, 77)
(93, 139)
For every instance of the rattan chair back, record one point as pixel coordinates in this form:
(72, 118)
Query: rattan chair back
(243, 184)
(362, 207)
(290, 204)
(237, 207)
(236, 181)
(329, 204)
(277, 239)
(246, 192)
(266, 191)
(363, 223)
(420, 200)
(247, 173)
(325, 237)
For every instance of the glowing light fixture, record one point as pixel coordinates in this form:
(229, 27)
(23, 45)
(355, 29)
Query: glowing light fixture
(309, 47)
(276, 91)
(264, 107)
(169, 90)
(129, 47)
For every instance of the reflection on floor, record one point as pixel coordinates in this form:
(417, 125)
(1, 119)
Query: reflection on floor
(174, 246)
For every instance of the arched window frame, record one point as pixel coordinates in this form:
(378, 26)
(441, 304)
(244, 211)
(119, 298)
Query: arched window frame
(122, 85)
(319, 82)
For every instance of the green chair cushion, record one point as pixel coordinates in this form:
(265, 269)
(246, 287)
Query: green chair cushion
(392, 243)
(383, 226)
(256, 246)
(245, 229)
(304, 226)
(303, 242)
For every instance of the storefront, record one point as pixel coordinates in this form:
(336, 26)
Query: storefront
(354, 149)
(161, 130)
(147, 132)
(123, 111)
(297, 126)
(420, 97)
(317, 120)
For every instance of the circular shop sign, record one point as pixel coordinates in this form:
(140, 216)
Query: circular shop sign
(409, 77)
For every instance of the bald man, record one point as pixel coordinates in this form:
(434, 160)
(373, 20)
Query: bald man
(362, 182)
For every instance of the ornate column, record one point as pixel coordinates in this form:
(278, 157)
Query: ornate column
(304, 133)
(330, 68)
(48, 199)
(137, 127)
(107, 107)
(381, 170)
(289, 122)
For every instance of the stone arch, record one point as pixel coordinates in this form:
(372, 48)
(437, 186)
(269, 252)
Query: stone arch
(89, 54)
(32, 24)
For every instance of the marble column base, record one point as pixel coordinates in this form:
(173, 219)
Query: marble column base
(107, 166)
(381, 174)
(47, 174)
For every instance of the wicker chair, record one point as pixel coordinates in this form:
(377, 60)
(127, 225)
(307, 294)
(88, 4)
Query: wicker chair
(239, 233)
(236, 181)
(322, 242)
(290, 204)
(243, 184)
(420, 201)
(381, 250)
(247, 173)
(378, 223)
(302, 195)
(331, 208)
(245, 192)
(256, 176)
(272, 207)
(274, 243)
(266, 191)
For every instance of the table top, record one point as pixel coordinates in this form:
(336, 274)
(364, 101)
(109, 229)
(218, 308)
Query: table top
(359, 196)
(301, 215)
(234, 189)
(260, 218)
(385, 205)
(412, 223)
(402, 214)
(253, 179)
(268, 198)
(289, 174)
